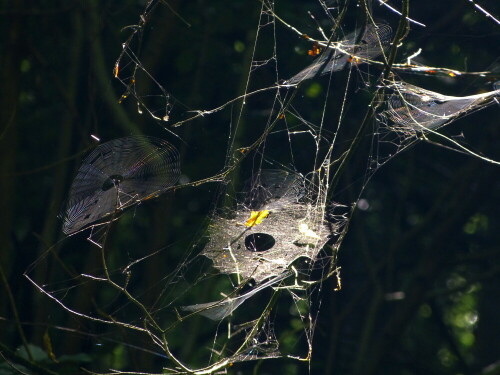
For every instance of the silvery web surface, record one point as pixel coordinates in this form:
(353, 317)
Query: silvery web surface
(294, 228)
(117, 174)
(411, 107)
(373, 42)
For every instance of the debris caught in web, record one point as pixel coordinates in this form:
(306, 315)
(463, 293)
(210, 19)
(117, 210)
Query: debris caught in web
(295, 227)
(118, 174)
(374, 40)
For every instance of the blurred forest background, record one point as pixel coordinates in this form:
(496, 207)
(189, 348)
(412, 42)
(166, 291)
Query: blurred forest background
(420, 265)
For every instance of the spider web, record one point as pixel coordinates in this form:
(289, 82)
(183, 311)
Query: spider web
(269, 243)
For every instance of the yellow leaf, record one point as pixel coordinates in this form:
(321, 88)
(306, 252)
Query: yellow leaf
(256, 217)
(47, 343)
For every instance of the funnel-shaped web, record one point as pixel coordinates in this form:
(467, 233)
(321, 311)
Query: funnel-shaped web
(221, 309)
(117, 174)
(374, 40)
(413, 108)
(293, 226)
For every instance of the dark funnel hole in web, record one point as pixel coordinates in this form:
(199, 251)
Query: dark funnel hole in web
(258, 242)
(111, 182)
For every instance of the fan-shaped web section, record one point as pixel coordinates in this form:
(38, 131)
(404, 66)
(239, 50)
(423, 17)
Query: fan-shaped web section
(118, 174)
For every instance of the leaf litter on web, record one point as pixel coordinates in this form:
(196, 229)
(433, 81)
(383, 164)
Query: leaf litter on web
(294, 227)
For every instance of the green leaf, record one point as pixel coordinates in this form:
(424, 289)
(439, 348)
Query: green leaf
(37, 353)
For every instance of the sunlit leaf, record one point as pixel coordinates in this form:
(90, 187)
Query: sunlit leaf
(256, 217)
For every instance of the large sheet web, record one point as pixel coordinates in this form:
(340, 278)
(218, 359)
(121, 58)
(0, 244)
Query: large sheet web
(272, 240)
(291, 226)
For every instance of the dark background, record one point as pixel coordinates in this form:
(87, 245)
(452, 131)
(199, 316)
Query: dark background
(430, 234)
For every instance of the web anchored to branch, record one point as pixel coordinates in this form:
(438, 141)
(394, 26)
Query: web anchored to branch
(318, 86)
